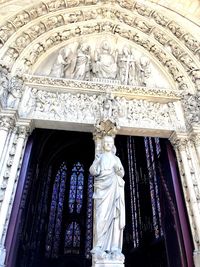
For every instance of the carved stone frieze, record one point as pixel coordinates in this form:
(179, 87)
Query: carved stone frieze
(24, 17)
(79, 107)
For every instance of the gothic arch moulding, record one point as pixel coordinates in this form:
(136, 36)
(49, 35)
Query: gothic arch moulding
(26, 36)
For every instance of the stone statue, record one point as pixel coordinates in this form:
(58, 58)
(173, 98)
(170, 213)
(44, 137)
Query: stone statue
(64, 64)
(109, 206)
(127, 67)
(14, 92)
(57, 69)
(105, 65)
(144, 71)
(4, 83)
(83, 63)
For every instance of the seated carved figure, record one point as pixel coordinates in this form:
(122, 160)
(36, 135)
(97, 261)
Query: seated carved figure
(105, 65)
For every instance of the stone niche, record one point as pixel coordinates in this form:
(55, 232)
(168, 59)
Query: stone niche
(104, 59)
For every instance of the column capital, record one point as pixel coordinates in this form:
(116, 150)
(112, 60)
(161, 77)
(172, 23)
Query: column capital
(179, 140)
(24, 128)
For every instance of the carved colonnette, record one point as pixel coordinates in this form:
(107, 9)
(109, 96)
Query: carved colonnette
(189, 167)
(9, 174)
(13, 136)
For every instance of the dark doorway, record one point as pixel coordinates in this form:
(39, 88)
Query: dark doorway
(56, 221)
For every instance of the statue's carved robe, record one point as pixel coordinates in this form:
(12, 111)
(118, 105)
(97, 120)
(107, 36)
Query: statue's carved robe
(109, 202)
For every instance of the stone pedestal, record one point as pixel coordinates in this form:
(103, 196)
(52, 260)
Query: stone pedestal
(196, 256)
(108, 263)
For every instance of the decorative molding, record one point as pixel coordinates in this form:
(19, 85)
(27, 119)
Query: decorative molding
(19, 20)
(59, 84)
(27, 60)
(109, 12)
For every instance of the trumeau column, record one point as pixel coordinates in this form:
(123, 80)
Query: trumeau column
(10, 167)
(189, 171)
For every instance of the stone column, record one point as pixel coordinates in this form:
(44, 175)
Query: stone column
(189, 171)
(6, 123)
(9, 177)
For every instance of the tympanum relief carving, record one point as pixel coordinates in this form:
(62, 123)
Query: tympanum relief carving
(103, 61)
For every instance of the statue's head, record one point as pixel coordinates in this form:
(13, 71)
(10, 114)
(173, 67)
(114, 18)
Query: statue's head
(105, 46)
(108, 143)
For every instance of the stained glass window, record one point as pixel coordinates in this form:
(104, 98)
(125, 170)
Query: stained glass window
(76, 188)
(72, 238)
(59, 214)
(55, 218)
(89, 235)
(134, 192)
(153, 183)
